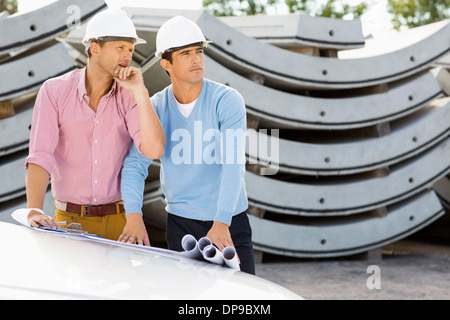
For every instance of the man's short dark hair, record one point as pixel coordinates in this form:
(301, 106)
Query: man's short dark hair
(102, 40)
(100, 43)
(167, 56)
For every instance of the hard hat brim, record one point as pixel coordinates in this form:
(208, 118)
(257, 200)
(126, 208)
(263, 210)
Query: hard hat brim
(204, 44)
(137, 40)
(140, 41)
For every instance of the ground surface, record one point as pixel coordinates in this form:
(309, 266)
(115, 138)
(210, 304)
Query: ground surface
(408, 269)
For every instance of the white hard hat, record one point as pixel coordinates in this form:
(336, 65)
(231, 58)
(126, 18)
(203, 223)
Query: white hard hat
(177, 33)
(111, 23)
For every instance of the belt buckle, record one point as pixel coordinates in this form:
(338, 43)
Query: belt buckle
(85, 211)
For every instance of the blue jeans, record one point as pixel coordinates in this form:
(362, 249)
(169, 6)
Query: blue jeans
(240, 230)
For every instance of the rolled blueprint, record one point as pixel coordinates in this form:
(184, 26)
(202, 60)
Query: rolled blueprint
(21, 215)
(204, 249)
(212, 254)
(203, 243)
(230, 258)
(190, 246)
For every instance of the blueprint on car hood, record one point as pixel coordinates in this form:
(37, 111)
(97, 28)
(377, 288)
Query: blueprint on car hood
(203, 249)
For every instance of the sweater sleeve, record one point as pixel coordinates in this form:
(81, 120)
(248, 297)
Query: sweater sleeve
(134, 173)
(233, 124)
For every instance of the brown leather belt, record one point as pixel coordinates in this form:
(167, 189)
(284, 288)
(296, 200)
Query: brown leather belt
(94, 211)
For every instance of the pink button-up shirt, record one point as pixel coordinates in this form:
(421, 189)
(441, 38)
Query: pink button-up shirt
(82, 150)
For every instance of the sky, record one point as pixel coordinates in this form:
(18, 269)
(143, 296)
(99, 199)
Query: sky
(375, 21)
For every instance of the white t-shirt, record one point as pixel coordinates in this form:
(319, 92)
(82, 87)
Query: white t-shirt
(187, 108)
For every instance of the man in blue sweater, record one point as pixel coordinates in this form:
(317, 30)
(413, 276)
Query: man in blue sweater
(203, 167)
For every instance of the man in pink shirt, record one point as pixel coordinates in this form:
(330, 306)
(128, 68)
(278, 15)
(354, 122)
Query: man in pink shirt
(83, 125)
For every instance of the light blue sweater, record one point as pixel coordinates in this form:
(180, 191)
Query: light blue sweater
(203, 167)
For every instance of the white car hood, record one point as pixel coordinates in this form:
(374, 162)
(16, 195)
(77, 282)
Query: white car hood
(39, 265)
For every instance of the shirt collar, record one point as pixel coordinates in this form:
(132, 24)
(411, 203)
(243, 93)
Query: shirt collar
(82, 85)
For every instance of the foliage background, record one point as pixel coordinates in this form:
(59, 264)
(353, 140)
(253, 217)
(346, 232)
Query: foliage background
(408, 13)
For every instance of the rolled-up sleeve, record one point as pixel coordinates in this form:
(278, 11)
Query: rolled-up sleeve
(133, 121)
(44, 133)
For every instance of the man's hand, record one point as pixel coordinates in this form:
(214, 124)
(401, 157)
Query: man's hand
(129, 78)
(219, 234)
(135, 231)
(37, 219)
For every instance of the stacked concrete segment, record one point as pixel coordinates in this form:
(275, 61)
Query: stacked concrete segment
(300, 31)
(362, 140)
(21, 32)
(26, 75)
(347, 236)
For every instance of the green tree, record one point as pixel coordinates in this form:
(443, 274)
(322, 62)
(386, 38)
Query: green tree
(8, 5)
(237, 7)
(414, 13)
(298, 5)
(326, 8)
(329, 8)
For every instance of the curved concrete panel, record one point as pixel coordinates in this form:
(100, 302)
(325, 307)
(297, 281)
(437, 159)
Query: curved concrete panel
(393, 41)
(348, 236)
(27, 74)
(15, 131)
(297, 111)
(6, 208)
(284, 68)
(46, 23)
(442, 76)
(286, 110)
(300, 30)
(442, 189)
(288, 31)
(12, 177)
(443, 61)
(331, 198)
(155, 77)
(408, 137)
(153, 208)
